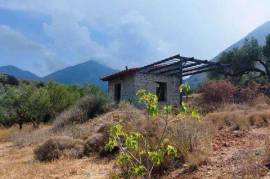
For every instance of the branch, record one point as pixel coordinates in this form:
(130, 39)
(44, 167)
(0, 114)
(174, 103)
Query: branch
(246, 71)
(265, 67)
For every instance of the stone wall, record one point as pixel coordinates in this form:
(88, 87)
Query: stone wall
(149, 82)
(131, 84)
(127, 88)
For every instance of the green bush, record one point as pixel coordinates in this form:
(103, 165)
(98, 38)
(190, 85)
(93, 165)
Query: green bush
(61, 97)
(37, 102)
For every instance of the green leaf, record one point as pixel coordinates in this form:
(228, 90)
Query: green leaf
(170, 150)
(138, 170)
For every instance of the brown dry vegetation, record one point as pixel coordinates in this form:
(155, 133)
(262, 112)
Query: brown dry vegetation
(241, 116)
(217, 146)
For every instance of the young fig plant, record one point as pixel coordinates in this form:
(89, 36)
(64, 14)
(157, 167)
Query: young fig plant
(184, 88)
(150, 100)
(137, 157)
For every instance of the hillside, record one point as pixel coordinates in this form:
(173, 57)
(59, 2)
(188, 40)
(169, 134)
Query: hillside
(259, 33)
(18, 73)
(87, 72)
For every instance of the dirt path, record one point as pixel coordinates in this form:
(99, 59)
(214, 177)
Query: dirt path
(16, 163)
(238, 157)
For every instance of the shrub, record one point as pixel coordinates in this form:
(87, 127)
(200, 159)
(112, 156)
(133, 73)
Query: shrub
(58, 147)
(8, 80)
(140, 154)
(240, 117)
(192, 139)
(248, 94)
(215, 93)
(85, 109)
(96, 143)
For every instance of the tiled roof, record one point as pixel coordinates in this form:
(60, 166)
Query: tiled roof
(120, 74)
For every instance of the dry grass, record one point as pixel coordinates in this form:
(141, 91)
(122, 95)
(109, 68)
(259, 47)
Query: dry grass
(19, 163)
(6, 133)
(240, 117)
(193, 140)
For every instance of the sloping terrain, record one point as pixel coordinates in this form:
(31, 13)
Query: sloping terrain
(236, 152)
(88, 72)
(18, 73)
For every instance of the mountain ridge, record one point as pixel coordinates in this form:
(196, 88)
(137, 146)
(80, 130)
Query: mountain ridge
(19, 73)
(88, 72)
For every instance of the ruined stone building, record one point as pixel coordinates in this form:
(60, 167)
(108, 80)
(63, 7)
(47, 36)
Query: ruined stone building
(162, 78)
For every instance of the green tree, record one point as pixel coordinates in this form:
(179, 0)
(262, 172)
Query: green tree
(61, 97)
(9, 109)
(251, 61)
(38, 105)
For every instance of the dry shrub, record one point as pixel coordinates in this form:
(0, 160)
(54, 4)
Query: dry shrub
(260, 100)
(215, 93)
(59, 147)
(235, 120)
(249, 93)
(96, 143)
(86, 108)
(193, 140)
(240, 117)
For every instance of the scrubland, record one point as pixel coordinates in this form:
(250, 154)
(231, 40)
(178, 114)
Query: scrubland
(228, 140)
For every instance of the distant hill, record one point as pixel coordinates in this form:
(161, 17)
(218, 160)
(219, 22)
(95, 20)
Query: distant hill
(259, 33)
(88, 72)
(18, 73)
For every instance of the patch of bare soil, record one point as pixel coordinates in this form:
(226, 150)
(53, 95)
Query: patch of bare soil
(236, 155)
(16, 163)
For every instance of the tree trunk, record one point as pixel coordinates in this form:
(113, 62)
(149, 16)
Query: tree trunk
(20, 125)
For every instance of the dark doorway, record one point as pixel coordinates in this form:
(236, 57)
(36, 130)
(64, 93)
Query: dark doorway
(117, 92)
(161, 91)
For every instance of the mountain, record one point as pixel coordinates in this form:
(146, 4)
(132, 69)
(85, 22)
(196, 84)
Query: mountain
(18, 73)
(88, 72)
(259, 33)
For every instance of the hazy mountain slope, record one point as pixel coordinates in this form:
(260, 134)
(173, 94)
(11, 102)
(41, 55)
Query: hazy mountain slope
(88, 72)
(259, 34)
(18, 73)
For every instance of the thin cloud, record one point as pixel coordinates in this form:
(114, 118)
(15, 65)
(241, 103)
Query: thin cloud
(120, 32)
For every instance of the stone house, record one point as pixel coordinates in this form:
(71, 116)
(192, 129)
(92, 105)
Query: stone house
(162, 78)
(122, 86)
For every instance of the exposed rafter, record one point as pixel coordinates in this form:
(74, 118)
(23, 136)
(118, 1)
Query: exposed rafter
(171, 66)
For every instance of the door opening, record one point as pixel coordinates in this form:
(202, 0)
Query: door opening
(117, 92)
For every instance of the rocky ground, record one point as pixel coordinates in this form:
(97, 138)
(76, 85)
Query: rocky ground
(235, 155)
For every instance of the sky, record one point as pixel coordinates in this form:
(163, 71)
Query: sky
(43, 36)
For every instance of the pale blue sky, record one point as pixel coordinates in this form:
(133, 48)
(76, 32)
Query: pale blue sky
(44, 36)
